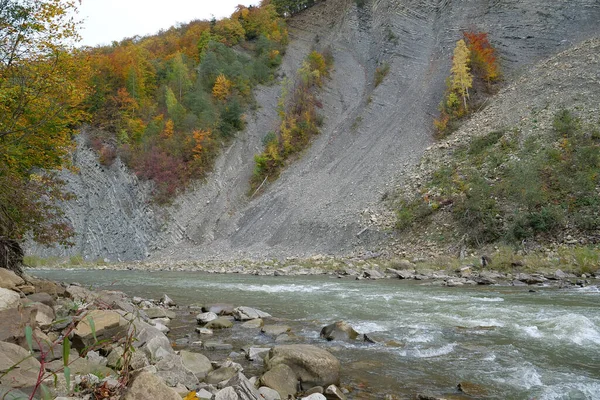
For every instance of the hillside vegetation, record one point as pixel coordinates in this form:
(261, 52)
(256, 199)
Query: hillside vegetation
(165, 103)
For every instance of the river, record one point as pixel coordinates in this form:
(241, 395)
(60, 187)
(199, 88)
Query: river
(511, 342)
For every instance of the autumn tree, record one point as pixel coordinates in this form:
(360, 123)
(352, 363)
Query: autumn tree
(41, 88)
(222, 87)
(462, 79)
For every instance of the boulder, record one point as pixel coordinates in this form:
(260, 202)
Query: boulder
(107, 324)
(315, 396)
(44, 315)
(9, 299)
(158, 347)
(50, 287)
(138, 360)
(43, 298)
(269, 394)
(247, 313)
(79, 293)
(313, 366)
(340, 330)
(206, 317)
(23, 375)
(13, 322)
(220, 375)
(255, 353)
(219, 323)
(219, 309)
(275, 330)
(27, 289)
(167, 301)
(335, 393)
(204, 394)
(282, 379)
(172, 370)
(530, 279)
(198, 363)
(373, 274)
(156, 312)
(115, 358)
(253, 324)
(147, 386)
(242, 388)
(10, 280)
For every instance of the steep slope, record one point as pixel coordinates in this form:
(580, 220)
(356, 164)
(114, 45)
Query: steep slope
(321, 203)
(370, 134)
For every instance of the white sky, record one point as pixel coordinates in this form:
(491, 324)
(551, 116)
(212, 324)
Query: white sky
(108, 20)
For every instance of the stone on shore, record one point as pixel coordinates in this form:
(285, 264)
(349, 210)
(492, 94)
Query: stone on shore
(198, 363)
(10, 280)
(43, 298)
(220, 375)
(335, 393)
(313, 366)
(107, 324)
(315, 396)
(275, 330)
(23, 375)
(9, 299)
(148, 386)
(253, 324)
(219, 308)
(269, 394)
(173, 371)
(282, 379)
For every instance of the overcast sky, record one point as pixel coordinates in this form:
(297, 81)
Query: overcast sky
(108, 20)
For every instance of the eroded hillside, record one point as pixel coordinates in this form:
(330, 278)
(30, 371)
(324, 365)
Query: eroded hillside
(326, 201)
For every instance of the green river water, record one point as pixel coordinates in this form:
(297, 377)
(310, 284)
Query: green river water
(513, 343)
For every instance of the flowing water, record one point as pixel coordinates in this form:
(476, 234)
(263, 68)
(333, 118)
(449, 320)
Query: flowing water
(512, 343)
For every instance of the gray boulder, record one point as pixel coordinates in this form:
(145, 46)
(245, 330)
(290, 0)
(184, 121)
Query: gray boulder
(335, 393)
(275, 330)
(340, 330)
(9, 299)
(269, 394)
(282, 379)
(206, 317)
(220, 375)
(198, 363)
(253, 324)
(255, 353)
(219, 309)
(219, 323)
(156, 312)
(239, 388)
(148, 386)
(25, 374)
(107, 325)
(248, 313)
(172, 370)
(313, 366)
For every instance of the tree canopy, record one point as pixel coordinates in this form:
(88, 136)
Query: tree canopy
(42, 84)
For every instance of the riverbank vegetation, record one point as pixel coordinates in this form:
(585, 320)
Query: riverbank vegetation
(510, 187)
(300, 120)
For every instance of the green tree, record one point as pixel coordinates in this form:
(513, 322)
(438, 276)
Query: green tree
(42, 85)
(178, 76)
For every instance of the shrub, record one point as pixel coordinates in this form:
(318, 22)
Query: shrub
(381, 72)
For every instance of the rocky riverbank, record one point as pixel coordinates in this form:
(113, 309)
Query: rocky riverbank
(68, 342)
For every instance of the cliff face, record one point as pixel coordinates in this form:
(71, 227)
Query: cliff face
(321, 203)
(112, 216)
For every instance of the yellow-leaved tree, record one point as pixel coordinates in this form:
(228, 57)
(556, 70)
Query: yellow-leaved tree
(462, 79)
(222, 87)
(42, 85)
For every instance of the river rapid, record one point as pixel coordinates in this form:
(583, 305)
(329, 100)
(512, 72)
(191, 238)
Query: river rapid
(511, 342)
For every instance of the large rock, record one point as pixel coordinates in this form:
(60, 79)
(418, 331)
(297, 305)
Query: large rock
(335, 393)
(219, 323)
(10, 280)
(220, 375)
(13, 322)
(239, 388)
(198, 363)
(206, 317)
(43, 298)
(255, 353)
(9, 299)
(275, 330)
(248, 313)
(253, 324)
(219, 309)
(148, 386)
(107, 325)
(23, 375)
(340, 330)
(44, 315)
(156, 312)
(79, 293)
(172, 370)
(282, 379)
(313, 366)
(269, 394)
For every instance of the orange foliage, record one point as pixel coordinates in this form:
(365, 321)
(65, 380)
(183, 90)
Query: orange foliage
(483, 55)
(200, 137)
(222, 87)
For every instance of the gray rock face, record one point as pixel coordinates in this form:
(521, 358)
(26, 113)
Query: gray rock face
(25, 374)
(148, 386)
(313, 366)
